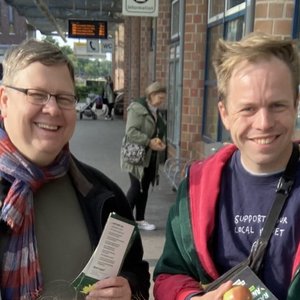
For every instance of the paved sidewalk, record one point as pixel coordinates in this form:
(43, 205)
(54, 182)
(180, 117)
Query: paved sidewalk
(98, 142)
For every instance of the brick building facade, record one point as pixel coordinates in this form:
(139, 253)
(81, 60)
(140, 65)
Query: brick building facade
(13, 28)
(176, 48)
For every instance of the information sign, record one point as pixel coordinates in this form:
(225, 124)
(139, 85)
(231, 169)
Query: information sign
(87, 29)
(142, 8)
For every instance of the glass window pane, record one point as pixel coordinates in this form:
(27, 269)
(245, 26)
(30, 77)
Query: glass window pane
(235, 29)
(174, 105)
(175, 19)
(298, 28)
(211, 113)
(214, 34)
(216, 7)
(225, 135)
(232, 3)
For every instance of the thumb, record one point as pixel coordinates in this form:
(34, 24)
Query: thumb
(223, 288)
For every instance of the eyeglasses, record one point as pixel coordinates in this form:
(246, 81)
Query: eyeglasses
(39, 97)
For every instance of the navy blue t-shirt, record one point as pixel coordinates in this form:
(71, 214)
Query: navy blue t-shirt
(245, 200)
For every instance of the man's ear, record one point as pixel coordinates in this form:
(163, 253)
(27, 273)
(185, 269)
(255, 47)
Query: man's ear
(223, 113)
(3, 101)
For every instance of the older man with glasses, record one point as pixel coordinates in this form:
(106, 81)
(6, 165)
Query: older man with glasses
(53, 208)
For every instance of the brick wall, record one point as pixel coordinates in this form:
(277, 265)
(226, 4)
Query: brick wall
(132, 55)
(193, 77)
(271, 16)
(119, 57)
(163, 40)
(145, 50)
(275, 17)
(142, 63)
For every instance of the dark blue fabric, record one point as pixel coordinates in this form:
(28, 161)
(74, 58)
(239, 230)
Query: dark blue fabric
(245, 201)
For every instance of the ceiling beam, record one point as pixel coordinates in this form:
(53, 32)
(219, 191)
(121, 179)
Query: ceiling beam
(44, 9)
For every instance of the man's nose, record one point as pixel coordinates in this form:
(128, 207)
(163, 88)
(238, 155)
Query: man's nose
(51, 104)
(264, 119)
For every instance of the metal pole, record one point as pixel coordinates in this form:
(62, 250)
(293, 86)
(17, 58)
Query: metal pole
(249, 18)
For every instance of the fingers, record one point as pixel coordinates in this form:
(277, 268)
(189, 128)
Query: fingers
(111, 288)
(216, 294)
(221, 290)
(157, 144)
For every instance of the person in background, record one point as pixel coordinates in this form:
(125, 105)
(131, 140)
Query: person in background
(109, 97)
(53, 208)
(222, 205)
(145, 126)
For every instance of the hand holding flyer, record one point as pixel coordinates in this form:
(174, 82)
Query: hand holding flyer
(108, 257)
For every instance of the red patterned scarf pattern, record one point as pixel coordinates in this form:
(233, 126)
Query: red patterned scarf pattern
(21, 275)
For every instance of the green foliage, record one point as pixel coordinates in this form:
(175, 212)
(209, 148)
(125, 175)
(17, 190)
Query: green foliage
(92, 68)
(82, 92)
(50, 39)
(84, 68)
(91, 87)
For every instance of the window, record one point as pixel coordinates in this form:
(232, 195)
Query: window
(174, 80)
(174, 105)
(11, 20)
(296, 20)
(211, 97)
(215, 9)
(234, 3)
(175, 19)
(235, 29)
(226, 19)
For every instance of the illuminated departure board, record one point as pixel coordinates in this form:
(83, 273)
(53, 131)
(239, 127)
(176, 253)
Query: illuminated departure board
(87, 29)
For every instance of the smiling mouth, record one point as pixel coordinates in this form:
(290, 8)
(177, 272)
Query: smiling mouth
(265, 141)
(47, 126)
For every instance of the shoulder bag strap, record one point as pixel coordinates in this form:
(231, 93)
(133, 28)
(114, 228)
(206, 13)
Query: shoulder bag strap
(255, 259)
(284, 187)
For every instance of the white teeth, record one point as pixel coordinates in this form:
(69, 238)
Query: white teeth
(46, 126)
(263, 141)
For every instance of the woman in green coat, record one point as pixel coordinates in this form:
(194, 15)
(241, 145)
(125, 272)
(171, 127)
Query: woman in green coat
(145, 126)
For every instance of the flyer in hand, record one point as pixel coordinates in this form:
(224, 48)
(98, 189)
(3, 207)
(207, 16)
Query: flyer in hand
(257, 288)
(108, 257)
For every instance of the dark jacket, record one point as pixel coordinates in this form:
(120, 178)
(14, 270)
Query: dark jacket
(186, 265)
(98, 196)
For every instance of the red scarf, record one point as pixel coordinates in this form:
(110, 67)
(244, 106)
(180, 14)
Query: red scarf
(21, 275)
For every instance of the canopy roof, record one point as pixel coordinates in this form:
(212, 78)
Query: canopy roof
(51, 17)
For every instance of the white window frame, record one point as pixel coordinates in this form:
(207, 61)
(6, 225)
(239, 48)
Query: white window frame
(228, 12)
(174, 31)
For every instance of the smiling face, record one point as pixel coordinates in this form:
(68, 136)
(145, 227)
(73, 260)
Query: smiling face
(260, 113)
(38, 132)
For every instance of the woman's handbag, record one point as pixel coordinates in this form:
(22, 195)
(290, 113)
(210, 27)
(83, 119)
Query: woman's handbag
(132, 153)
